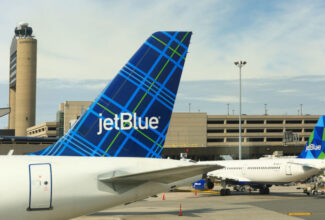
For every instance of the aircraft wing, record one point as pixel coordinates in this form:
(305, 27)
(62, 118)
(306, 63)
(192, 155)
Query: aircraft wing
(163, 176)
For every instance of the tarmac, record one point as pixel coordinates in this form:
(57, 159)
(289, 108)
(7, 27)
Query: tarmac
(283, 203)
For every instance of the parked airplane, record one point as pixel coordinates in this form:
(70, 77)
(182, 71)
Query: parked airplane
(263, 173)
(97, 164)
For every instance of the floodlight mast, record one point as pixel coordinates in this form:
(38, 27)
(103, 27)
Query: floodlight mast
(240, 64)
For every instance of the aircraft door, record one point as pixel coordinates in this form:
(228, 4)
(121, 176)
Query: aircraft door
(40, 186)
(288, 170)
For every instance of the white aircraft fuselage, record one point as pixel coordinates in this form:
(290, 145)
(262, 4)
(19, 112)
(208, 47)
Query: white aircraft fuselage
(51, 187)
(268, 171)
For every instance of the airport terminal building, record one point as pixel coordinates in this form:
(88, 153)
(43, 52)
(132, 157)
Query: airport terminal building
(201, 136)
(206, 137)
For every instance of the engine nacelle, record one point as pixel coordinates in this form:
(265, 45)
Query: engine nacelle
(203, 184)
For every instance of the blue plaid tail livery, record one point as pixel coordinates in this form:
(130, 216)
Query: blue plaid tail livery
(315, 146)
(130, 117)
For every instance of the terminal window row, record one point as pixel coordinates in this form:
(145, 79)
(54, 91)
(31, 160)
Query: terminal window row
(234, 130)
(251, 139)
(252, 130)
(258, 130)
(255, 139)
(308, 121)
(274, 122)
(37, 131)
(274, 139)
(234, 139)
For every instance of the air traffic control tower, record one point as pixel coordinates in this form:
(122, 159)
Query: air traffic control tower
(22, 80)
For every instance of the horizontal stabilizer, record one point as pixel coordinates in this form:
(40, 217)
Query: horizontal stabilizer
(162, 176)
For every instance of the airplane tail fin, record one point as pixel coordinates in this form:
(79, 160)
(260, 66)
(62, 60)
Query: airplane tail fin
(315, 146)
(130, 117)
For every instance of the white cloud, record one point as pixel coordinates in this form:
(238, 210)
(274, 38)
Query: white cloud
(93, 39)
(287, 91)
(278, 45)
(97, 86)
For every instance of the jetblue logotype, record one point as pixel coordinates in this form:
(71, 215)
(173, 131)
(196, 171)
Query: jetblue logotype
(313, 147)
(127, 121)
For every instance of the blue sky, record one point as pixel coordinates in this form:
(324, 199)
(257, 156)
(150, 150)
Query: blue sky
(89, 41)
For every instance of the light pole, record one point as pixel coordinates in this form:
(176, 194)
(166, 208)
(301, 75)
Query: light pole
(300, 109)
(240, 64)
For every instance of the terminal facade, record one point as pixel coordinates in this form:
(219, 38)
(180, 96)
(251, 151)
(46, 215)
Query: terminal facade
(206, 137)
